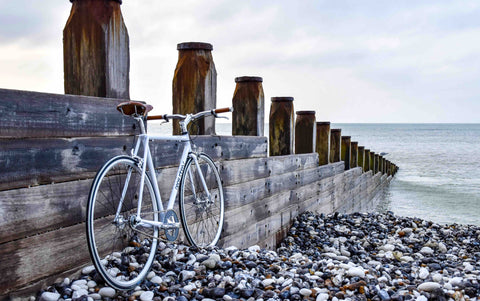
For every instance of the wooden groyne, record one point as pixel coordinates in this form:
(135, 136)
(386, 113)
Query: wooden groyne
(51, 146)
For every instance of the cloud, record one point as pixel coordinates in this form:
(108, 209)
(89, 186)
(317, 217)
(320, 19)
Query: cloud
(345, 59)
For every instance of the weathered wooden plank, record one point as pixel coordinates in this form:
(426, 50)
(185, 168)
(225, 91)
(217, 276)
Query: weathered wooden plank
(30, 162)
(35, 257)
(288, 163)
(29, 211)
(35, 114)
(249, 192)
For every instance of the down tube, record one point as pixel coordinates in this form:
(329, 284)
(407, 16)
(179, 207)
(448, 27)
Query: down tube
(176, 184)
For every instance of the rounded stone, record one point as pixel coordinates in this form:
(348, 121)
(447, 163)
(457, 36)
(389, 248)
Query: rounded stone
(428, 286)
(147, 296)
(48, 296)
(107, 292)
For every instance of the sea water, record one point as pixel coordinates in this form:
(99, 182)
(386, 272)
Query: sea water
(439, 175)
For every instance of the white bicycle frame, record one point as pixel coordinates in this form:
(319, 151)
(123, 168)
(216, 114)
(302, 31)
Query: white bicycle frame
(147, 161)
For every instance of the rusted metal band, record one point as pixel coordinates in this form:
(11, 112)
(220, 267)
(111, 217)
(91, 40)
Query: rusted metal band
(242, 79)
(305, 112)
(282, 99)
(194, 46)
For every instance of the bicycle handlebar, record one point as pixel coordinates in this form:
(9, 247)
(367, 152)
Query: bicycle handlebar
(213, 112)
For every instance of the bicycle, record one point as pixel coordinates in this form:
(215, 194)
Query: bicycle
(125, 212)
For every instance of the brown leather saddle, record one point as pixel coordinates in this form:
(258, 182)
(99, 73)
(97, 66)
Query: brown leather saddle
(134, 108)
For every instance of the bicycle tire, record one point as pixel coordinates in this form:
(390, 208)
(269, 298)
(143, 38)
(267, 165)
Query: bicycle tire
(202, 217)
(123, 266)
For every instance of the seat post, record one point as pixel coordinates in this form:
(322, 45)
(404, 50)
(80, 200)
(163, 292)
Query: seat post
(142, 125)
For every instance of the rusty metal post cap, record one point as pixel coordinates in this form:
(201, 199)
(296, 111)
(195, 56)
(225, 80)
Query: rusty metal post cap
(242, 79)
(354, 142)
(194, 46)
(336, 130)
(346, 137)
(305, 112)
(323, 122)
(282, 99)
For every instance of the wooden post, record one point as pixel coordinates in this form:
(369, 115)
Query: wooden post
(354, 154)
(361, 157)
(346, 151)
(384, 166)
(305, 132)
(380, 163)
(335, 145)
(389, 172)
(281, 124)
(375, 166)
(372, 162)
(366, 163)
(248, 107)
(195, 86)
(323, 142)
(96, 57)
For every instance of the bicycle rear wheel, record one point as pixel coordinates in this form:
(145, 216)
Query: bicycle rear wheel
(121, 250)
(201, 210)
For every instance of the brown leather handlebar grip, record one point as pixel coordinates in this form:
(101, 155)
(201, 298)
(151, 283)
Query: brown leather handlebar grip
(222, 110)
(155, 117)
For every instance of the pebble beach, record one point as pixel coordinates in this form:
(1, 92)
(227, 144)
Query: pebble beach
(359, 256)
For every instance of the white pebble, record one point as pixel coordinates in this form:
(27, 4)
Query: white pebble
(356, 272)
(91, 284)
(267, 282)
(406, 259)
(66, 281)
(146, 296)
(189, 287)
(428, 286)
(48, 296)
(322, 297)
(426, 251)
(88, 269)
(456, 281)
(442, 248)
(79, 293)
(150, 275)
(95, 296)
(305, 292)
(254, 248)
(156, 280)
(422, 298)
(437, 277)
(107, 292)
(80, 282)
(185, 275)
(227, 298)
(423, 273)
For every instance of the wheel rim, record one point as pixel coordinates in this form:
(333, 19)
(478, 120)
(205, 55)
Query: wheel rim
(202, 216)
(116, 245)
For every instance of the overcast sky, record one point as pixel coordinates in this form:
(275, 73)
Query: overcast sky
(350, 61)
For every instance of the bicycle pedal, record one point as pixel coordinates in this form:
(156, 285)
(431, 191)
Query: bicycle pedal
(170, 218)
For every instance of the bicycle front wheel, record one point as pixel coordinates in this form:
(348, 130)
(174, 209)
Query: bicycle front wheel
(201, 201)
(122, 250)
